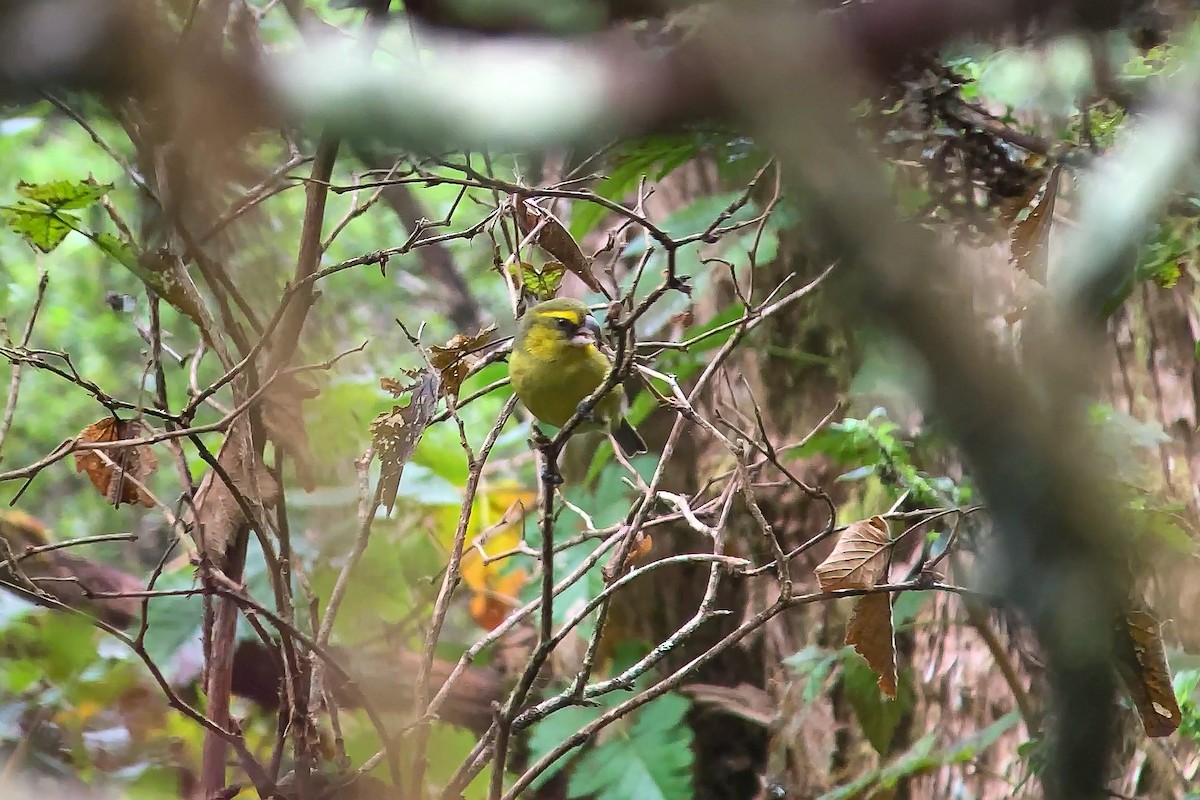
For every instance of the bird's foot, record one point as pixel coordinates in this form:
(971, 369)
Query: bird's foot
(538, 439)
(551, 475)
(587, 414)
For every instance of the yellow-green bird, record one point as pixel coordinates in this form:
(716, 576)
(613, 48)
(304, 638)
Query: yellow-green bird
(555, 364)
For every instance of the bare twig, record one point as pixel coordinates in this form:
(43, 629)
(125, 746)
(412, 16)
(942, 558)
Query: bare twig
(14, 384)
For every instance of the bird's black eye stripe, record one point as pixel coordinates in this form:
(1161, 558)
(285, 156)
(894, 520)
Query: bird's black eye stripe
(566, 324)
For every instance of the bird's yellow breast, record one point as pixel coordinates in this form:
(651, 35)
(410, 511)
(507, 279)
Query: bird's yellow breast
(552, 377)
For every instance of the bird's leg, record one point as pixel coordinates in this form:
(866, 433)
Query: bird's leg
(538, 439)
(550, 474)
(587, 414)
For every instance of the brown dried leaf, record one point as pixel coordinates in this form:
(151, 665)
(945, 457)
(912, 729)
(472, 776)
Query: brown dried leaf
(109, 475)
(456, 357)
(218, 515)
(1030, 235)
(395, 433)
(395, 388)
(871, 634)
(642, 545)
(685, 318)
(283, 415)
(555, 240)
(1142, 664)
(859, 559)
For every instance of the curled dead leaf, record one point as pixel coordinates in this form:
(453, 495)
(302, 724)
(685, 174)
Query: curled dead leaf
(455, 359)
(553, 237)
(109, 472)
(395, 433)
(395, 388)
(859, 559)
(871, 634)
(1029, 235)
(218, 515)
(1142, 664)
(283, 415)
(642, 546)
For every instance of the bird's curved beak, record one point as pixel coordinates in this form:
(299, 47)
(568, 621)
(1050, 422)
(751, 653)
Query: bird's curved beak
(588, 332)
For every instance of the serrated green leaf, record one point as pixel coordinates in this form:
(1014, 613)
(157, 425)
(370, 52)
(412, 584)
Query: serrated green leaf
(551, 731)
(653, 762)
(64, 194)
(42, 228)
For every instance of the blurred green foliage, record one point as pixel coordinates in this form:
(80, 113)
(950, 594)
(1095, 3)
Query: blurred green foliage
(90, 702)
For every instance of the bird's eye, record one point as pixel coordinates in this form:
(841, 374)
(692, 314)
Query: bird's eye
(566, 324)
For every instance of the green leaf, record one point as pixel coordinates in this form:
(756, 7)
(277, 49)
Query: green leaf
(151, 782)
(64, 646)
(18, 674)
(64, 194)
(877, 715)
(448, 746)
(697, 217)
(42, 228)
(117, 248)
(906, 606)
(552, 731)
(654, 159)
(970, 747)
(814, 664)
(543, 281)
(653, 762)
(174, 621)
(923, 756)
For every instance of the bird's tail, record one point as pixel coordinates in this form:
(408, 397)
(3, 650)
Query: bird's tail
(628, 438)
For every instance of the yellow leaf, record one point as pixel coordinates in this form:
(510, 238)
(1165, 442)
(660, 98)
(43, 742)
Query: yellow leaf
(490, 606)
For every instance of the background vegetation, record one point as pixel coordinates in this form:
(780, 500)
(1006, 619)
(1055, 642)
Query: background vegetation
(903, 295)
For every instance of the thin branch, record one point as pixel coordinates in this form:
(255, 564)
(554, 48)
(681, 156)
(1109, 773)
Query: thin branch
(14, 385)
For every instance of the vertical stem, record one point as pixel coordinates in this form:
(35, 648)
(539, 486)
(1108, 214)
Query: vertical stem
(220, 673)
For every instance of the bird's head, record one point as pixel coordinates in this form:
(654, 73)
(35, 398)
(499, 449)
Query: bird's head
(557, 323)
